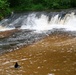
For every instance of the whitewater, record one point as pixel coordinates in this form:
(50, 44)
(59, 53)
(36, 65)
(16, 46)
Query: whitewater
(22, 29)
(40, 21)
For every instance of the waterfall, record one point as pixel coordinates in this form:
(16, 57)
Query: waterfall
(33, 26)
(40, 21)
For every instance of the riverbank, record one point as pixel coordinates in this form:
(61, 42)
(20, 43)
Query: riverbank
(53, 55)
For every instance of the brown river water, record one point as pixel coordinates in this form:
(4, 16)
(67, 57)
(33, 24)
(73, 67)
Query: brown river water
(53, 55)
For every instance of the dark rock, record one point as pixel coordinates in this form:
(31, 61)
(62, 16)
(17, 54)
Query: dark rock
(16, 65)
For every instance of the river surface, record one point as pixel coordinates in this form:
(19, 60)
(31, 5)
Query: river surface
(43, 43)
(53, 55)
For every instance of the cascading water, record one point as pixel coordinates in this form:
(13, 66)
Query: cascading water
(34, 26)
(40, 21)
(68, 22)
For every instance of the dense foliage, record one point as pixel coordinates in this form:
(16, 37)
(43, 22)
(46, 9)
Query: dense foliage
(41, 4)
(24, 5)
(4, 8)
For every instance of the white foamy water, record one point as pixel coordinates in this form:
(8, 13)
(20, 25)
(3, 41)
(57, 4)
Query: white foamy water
(32, 22)
(42, 23)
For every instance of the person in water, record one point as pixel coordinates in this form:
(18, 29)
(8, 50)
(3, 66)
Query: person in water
(16, 65)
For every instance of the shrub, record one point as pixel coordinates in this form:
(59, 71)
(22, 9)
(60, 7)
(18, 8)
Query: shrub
(4, 9)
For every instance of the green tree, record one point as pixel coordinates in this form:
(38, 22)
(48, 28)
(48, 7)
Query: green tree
(4, 8)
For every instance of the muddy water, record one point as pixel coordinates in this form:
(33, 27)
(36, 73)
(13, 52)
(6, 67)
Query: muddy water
(54, 55)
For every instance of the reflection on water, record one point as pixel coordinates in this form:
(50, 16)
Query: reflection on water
(54, 55)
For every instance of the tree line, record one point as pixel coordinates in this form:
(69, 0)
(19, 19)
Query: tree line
(6, 6)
